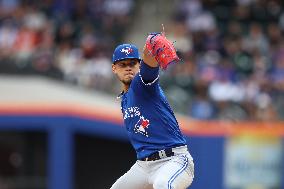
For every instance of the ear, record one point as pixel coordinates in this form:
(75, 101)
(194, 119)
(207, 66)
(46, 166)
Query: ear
(113, 68)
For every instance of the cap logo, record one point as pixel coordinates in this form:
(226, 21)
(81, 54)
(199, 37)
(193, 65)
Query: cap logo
(127, 50)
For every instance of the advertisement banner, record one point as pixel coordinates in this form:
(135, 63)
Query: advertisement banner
(253, 162)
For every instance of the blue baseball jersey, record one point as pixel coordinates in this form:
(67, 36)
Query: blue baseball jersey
(150, 122)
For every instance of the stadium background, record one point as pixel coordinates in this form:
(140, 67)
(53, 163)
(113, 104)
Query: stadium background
(60, 125)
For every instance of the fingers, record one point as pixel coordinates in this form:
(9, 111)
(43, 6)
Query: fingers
(145, 49)
(163, 30)
(148, 58)
(146, 52)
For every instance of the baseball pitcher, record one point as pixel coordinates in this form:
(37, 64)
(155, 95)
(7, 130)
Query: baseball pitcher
(163, 160)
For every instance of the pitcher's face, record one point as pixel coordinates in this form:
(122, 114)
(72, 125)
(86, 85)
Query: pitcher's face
(126, 70)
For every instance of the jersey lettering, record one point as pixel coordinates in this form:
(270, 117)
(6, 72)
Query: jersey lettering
(131, 112)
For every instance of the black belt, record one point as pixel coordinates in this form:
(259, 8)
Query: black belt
(159, 155)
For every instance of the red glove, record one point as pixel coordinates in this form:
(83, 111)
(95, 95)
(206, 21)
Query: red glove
(162, 49)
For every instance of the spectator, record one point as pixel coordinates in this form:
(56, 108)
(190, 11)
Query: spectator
(232, 51)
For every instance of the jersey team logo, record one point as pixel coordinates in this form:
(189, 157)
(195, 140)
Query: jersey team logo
(127, 50)
(142, 126)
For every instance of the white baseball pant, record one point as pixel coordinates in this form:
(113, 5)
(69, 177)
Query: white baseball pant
(175, 172)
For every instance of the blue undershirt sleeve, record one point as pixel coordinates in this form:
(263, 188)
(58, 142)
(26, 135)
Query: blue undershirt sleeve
(148, 74)
(145, 83)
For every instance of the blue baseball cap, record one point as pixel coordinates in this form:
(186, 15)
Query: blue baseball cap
(125, 51)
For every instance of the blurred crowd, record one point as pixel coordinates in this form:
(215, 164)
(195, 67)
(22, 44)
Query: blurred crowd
(233, 59)
(232, 52)
(68, 40)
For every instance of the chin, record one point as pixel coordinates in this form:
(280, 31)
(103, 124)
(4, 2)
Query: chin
(127, 81)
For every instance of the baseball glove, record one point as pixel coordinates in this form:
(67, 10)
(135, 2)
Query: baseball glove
(162, 49)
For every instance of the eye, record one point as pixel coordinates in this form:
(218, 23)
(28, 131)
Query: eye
(120, 64)
(133, 63)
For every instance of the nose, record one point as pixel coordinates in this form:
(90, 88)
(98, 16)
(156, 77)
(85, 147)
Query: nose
(128, 66)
